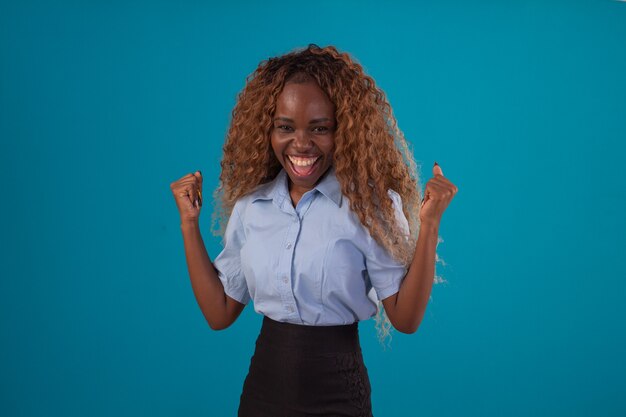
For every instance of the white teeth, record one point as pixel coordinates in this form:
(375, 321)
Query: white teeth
(302, 162)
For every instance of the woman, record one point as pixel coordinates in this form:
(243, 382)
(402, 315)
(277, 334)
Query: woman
(325, 229)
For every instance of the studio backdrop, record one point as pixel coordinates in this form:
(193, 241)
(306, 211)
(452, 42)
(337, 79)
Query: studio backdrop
(104, 104)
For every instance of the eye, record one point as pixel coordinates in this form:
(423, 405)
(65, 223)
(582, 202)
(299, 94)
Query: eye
(320, 129)
(284, 128)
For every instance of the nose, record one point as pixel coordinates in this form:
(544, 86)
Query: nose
(302, 140)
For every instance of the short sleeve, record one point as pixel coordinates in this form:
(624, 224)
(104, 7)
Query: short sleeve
(385, 272)
(228, 262)
(400, 217)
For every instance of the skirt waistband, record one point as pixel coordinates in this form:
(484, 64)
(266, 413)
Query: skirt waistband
(312, 339)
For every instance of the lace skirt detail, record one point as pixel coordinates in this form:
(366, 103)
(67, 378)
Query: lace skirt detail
(299, 371)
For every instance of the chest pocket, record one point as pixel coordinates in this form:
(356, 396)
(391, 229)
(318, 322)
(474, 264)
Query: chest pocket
(259, 262)
(345, 274)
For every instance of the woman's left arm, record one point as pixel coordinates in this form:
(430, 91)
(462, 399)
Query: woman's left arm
(406, 308)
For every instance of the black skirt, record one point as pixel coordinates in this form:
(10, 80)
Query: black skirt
(299, 370)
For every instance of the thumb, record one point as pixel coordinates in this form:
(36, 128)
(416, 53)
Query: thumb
(437, 169)
(198, 175)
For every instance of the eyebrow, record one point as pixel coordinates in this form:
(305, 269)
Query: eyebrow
(286, 119)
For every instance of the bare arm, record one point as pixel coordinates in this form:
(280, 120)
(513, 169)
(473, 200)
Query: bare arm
(406, 308)
(219, 310)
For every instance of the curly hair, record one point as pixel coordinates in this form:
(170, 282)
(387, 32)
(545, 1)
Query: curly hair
(371, 154)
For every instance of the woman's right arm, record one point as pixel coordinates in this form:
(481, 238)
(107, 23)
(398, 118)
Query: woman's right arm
(219, 310)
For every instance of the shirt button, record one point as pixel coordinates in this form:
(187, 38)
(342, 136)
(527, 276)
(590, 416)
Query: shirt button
(288, 246)
(285, 279)
(290, 308)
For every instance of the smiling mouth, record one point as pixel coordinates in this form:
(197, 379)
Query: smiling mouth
(303, 166)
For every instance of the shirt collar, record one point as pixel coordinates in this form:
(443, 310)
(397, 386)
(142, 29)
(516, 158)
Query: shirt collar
(329, 186)
(278, 189)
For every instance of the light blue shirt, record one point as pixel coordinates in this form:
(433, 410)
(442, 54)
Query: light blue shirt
(313, 264)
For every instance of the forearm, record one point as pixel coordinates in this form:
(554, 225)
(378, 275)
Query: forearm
(417, 284)
(207, 287)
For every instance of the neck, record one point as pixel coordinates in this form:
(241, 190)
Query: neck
(296, 192)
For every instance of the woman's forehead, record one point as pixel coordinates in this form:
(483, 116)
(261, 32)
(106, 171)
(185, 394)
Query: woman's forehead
(304, 97)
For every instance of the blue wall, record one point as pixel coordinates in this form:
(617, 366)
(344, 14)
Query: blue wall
(103, 105)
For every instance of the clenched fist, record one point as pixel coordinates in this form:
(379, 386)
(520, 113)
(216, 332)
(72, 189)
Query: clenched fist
(188, 195)
(437, 195)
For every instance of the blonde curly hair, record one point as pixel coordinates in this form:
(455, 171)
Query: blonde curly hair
(371, 154)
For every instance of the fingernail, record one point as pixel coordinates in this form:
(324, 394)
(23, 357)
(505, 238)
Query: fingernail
(200, 172)
(436, 163)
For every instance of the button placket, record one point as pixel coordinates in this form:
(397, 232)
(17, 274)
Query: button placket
(285, 267)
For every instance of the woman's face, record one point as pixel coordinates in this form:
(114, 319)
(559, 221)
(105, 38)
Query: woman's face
(303, 133)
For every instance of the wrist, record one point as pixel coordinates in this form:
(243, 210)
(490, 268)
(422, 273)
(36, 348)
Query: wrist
(189, 224)
(430, 226)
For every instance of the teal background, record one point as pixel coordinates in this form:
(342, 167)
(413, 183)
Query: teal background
(104, 104)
